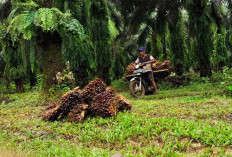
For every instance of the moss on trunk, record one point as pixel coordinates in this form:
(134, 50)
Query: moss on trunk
(49, 47)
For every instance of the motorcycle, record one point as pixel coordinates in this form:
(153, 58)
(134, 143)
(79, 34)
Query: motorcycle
(139, 84)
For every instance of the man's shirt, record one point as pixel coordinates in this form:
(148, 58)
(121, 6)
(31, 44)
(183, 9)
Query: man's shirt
(147, 58)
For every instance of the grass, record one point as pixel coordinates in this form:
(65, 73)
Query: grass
(188, 121)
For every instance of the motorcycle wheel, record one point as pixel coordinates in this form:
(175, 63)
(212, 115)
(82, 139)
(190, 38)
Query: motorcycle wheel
(134, 92)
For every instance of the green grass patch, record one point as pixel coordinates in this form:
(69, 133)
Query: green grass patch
(187, 121)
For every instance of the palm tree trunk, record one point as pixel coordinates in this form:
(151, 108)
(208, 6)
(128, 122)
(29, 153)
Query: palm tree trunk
(154, 43)
(19, 85)
(5, 10)
(49, 47)
(205, 69)
(100, 35)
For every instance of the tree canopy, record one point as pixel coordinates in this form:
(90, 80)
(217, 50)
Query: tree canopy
(100, 38)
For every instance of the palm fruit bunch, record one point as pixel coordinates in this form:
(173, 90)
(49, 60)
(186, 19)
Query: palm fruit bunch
(130, 68)
(52, 113)
(94, 88)
(156, 65)
(162, 65)
(122, 103)
(51, 105)
(101, 105)
(69, 100)
(78, 113)
(95, 99)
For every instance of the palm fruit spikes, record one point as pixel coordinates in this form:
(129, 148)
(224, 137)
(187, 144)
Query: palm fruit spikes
(101, 104)
(94, 88)
(123, 103)
(78, 113)
(162, 65)
(51, 106)
(52, 114)
(130, 68)
(69, 100)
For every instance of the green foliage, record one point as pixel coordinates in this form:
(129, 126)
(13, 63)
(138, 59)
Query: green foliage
(6, 89)
(159, 46)
(14, 68)
(58, 89)
(217, 77)
(204, 80)
(227, 80)
(100, 35)
(189, 40)
(27, 22)
(165, 86)
(220, 54)
(120, 85)
(39, 82)
(178, 44)
(17, 72)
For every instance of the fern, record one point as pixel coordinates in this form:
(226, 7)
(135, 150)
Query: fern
(19, 7)
(17, 72)
(27, 34)
(29, 5)
(46, 18)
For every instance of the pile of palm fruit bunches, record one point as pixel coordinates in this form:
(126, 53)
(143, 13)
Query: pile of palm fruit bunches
(96, 100)
(155, 66)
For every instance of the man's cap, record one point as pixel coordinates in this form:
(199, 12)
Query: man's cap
(142, 49)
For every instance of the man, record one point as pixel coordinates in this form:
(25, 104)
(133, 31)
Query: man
(146, 60)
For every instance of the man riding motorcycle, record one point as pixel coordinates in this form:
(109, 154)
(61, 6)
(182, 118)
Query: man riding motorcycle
(145, 61)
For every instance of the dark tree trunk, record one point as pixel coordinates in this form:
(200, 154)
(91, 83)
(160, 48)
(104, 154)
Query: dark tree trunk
(154, 43)
(201, 31)
(100, 35)
(204, 62)
(7, 83)
(32, 79)
(216, 7)
(19, 85)
(179, 69)
(5, 10)
(205, 69)
(103, 62)
(204, 50)
(49, 47)
(178, 50)
(81, 74)
(2, 64)
(220, 66)
(104, 74)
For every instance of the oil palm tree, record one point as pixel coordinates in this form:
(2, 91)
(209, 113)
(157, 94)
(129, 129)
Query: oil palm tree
(47, 25)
